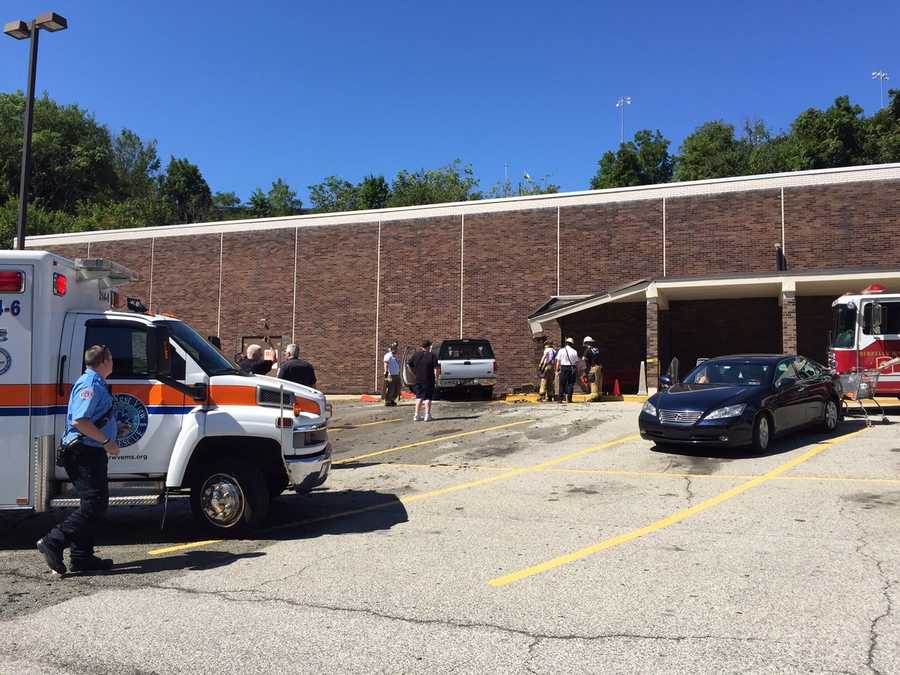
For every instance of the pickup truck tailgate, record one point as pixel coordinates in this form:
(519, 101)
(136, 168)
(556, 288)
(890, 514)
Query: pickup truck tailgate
(467, 370)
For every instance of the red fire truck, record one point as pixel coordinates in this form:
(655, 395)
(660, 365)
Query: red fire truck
(865, 336)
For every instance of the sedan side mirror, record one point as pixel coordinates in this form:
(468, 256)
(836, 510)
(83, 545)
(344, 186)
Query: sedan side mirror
(665, 381)
(785, 383)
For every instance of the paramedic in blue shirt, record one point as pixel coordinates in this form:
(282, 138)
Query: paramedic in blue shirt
(91, 438)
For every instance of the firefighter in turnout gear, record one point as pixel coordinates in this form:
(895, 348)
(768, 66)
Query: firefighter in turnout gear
(593, 367)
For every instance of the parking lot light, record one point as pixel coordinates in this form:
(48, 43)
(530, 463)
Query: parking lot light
(17, 29)
(20, 30)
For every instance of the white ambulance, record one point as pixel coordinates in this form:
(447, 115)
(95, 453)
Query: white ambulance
(189, 422)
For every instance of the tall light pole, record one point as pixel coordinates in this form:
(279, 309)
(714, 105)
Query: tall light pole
(21, 30)
(620, 104)
(883, 77)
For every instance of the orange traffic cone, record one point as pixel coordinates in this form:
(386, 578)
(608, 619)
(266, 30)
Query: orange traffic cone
(616, 390)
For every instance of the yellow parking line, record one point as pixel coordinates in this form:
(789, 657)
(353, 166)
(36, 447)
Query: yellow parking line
(431, 441)
(184, 547)
(670, 520)
(507, 474)
(655, 474)
(365, 424)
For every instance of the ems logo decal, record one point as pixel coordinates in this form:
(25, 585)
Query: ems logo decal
(5, 361)
(131, 420)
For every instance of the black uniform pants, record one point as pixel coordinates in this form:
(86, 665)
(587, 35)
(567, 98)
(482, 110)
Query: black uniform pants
(566, 382)
(88, 469)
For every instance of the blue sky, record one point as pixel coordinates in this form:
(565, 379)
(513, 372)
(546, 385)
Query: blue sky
(302, 90)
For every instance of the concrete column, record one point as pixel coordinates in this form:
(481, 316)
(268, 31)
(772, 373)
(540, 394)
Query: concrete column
(788, 322)
(652, 359)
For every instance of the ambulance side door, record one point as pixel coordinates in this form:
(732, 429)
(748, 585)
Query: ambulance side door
(148, 413)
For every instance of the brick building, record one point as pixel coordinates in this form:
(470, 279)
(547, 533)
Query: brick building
(681, 269)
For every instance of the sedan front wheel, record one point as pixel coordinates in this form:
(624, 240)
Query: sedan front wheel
(762, 433)
(832, 416)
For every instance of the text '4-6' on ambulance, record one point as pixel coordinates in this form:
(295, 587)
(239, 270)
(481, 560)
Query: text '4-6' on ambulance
(190, 423)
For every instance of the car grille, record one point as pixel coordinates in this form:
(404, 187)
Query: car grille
(685, 417)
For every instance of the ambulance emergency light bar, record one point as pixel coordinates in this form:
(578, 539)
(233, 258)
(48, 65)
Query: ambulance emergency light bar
(106, 271)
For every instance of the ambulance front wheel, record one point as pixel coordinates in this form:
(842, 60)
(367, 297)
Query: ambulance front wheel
(230, 497)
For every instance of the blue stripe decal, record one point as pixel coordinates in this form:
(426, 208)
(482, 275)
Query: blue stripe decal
(43, 411)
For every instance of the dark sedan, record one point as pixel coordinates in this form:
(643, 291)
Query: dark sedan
(743, 400)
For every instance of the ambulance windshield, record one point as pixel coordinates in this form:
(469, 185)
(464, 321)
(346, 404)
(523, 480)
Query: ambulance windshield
(843, 329)
(207, 357)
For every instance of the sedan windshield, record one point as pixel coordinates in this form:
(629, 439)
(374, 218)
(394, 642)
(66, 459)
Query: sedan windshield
(731, 373)
(207, 357)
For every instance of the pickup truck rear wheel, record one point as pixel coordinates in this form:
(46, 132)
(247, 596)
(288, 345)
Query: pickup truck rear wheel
(230, 497)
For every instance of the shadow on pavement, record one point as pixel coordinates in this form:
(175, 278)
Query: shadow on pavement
(291, 516)
(779, 446)
(192, 561)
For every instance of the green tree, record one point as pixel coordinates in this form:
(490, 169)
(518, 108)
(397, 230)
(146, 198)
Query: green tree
(259, 204)
(136, 165)
(373, 192)
(40, 221)
(837, 136)
(712, 151)
(226, 200)
(187, 191)
(333, 194)
(72, 153)
(884, 137)
(282, 200)
(643, 161)
(450, 183)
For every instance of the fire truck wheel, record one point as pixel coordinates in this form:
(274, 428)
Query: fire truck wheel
(230, 497)
(762, 432)
(832, 416)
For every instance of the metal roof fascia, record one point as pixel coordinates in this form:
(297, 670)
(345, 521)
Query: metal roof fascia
(560, 199)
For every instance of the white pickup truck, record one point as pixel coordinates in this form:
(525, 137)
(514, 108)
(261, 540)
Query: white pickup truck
(467, 365)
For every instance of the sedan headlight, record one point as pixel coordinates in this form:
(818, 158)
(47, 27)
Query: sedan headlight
(727, 411)
(649, 409)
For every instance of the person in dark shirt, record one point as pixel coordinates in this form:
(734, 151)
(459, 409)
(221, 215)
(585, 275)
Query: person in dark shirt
(254, 362)
(295, 369)
(425, 365)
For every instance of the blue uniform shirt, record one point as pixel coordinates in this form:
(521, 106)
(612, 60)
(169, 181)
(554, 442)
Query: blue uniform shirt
(90, 398)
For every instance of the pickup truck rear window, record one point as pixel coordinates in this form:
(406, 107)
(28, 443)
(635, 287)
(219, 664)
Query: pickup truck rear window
(467, 349)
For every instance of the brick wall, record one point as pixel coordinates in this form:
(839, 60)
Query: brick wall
(510, 269)
(186, 281)
(851, 225)
(135, 255)
(420, 280)
(789, 322)
(722, 234)
(335, 319)
(257, 274)
(606, 246)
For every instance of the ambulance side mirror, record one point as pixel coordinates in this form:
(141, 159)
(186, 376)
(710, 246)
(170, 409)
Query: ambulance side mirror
(159, 351)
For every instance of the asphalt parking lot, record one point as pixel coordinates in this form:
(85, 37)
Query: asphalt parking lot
(503, 538)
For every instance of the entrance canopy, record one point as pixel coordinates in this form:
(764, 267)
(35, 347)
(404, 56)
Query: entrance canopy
(774, 285)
